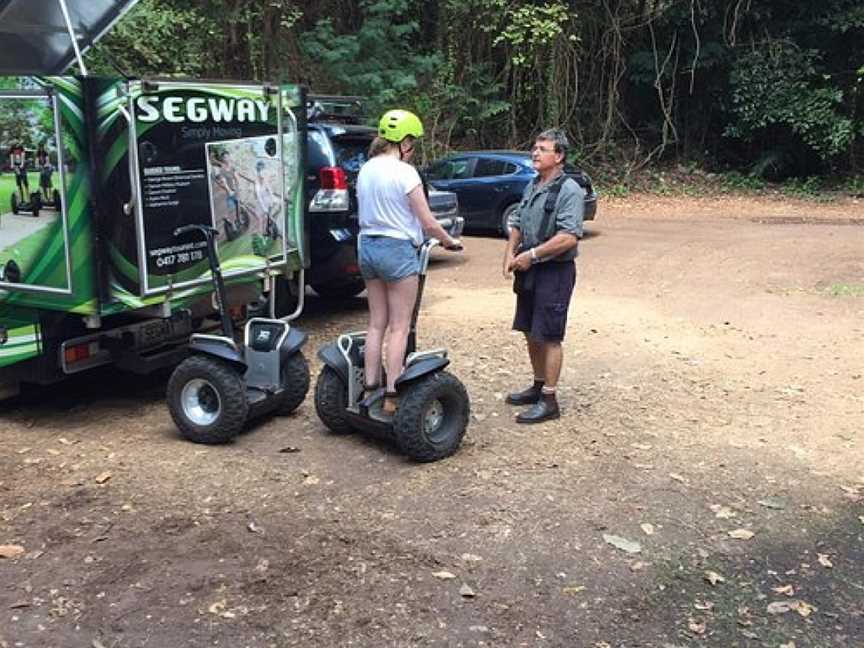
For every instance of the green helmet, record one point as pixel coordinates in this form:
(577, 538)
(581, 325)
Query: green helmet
(396, 125)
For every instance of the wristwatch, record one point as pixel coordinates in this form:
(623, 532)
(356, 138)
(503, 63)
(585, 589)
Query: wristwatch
(534, 257)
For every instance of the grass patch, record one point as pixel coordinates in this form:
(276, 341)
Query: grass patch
(846, 290)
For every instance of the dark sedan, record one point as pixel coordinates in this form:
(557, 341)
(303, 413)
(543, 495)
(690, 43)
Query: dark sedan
(489, 185)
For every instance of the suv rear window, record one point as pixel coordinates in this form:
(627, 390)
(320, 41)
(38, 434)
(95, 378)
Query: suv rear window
(351, 153)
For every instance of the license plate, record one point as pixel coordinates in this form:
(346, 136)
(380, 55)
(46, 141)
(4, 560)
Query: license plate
(153, 332)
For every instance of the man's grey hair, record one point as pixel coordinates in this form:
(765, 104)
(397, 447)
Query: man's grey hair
(558, 138)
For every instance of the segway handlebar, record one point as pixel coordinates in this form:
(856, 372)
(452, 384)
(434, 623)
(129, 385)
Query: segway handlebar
(210, 234)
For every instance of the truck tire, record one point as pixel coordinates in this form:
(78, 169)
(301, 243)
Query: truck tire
(432, 417)
(331, 399)
(295, 383)
(207, 400)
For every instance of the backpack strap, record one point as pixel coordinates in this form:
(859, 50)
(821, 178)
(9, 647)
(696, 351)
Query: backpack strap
(544, 233)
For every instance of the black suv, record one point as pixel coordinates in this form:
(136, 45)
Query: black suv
(337, 146)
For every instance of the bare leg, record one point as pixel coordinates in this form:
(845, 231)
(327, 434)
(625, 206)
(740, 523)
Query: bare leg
(537, 353)
(553, 358)
(376, 292)
(401, 296)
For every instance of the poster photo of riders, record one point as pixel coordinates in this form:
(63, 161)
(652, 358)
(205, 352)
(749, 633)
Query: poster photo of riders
(30, 203)
(245, 185)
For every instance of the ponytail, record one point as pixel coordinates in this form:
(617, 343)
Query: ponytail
(378, 146)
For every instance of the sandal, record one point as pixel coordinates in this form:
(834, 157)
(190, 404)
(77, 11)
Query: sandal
(369, 390)
(391, 402)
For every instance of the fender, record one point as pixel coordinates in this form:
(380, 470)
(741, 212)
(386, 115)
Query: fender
(293, 343)
(330, 355)
(219, 350)
(421, 368)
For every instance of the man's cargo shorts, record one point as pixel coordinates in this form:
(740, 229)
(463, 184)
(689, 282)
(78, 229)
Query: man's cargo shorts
(542, 313)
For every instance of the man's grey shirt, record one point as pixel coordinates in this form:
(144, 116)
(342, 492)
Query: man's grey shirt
(569, 213)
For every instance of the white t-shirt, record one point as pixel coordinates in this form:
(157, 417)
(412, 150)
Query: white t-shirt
(383, 185)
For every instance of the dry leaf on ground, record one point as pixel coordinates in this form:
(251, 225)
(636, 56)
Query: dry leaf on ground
(622, 543)
(11, 551)
(713, 577)
(741, 534)
(444, 575)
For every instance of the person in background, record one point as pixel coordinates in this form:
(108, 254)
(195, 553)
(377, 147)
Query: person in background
(394, 216)
(541, 250)
(18, 160)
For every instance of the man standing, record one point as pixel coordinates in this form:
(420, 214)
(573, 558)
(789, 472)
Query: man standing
(18, 160)
(541, 250)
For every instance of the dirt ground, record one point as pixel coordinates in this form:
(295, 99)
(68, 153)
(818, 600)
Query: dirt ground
(704, 487)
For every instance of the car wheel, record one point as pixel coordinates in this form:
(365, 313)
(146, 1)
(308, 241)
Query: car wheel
(503, 227)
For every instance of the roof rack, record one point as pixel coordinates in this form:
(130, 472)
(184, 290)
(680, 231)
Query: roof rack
(342, 109)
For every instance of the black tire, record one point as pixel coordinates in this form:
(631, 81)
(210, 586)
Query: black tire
(35, 203)
(503, 228)
(207, 400)
(56, 198)
(14, 203)
(230, 230)
(432, 417)
(341, 290)
(295, 383)
(331, 399)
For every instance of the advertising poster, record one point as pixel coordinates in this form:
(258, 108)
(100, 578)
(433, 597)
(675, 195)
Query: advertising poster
(31, 219)
(205, 154)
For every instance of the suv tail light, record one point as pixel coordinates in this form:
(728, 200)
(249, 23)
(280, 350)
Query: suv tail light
(333, 178)
(333, 194)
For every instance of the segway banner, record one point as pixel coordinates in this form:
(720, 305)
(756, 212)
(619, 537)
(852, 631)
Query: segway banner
(33, 251)
(207, 155)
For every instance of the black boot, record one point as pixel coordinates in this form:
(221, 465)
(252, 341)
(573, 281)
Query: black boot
(526, 396)
(545, 409)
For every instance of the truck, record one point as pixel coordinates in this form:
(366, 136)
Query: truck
(100, 278)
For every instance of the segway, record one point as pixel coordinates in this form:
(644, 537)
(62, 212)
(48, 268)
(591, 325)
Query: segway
(433, 404)
(222, 384)
(33, 205)
(49, 196)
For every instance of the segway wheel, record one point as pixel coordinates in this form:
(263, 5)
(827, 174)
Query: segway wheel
(331, 400)
(432, 417)
(207, 400)
(295, 383)
(56, 197)
(35, 203)
(230, 230)
(14, 201)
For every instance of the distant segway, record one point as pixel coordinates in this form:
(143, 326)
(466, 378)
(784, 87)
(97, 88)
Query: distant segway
(31, 206)
(433, 404)
(49, 196)
(222, 384)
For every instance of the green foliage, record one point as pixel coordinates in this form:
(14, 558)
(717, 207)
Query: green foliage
(736, 181)
(807, 188)
(531, 29)
(778, 87)
(376, 60)
(159, 39)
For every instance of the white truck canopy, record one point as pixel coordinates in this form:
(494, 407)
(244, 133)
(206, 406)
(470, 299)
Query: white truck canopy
(35, 34)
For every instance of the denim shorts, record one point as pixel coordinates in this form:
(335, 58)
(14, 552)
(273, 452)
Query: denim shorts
(386, 258)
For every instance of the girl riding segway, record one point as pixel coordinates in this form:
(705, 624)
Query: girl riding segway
(394, 215)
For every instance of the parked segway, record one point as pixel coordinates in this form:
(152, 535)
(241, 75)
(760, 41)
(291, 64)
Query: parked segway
(222, 384)
(433, 404)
